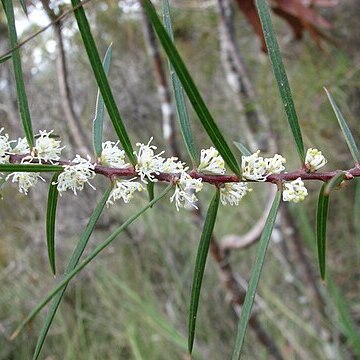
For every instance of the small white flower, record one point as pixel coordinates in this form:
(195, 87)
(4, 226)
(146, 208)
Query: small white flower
(21, 148)
(294, 191)
(232, 193)
(124, 189)
(46, 147)
(275, 165)
(254, 167)
(147, 162)
(112, 156)
(173, 166)
(76, 175)
(26, 180)
(184, 191)
(211, 161)
(314, 160)
(4, 147)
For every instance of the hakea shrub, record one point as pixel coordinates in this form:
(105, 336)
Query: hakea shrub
(79, 171)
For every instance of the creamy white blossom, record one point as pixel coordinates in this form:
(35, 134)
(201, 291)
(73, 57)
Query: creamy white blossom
(211, 161)
(21, 148)
(254, 167)
(25, 180)
(124, 189)
(294, 191)
(232, 193)
(76, 175)
(184, 191)
(314, 160)
(274, 165)
(112, 155)
(173, 166)
(47, 148)
(147, 162)
(4, 147)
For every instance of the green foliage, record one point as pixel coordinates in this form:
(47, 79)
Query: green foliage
(19, 78)
(30, 168)
(345, 129)
(102, 80)
(200, 263)
(180, 102)
(51, 220)
(74, 260)
(321, 221)
(191, 90)
(243, 149)
(255, 276)
(99, 109)
(280, 75)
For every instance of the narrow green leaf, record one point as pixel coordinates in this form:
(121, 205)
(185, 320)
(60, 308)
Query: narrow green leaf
(335, 181)
(30, 168)
(150, 189)
(345, 129)
(243, 149)
(102, 80)
(99, 109)
(24, 7)
(200, 263)
(180, 103)
(74, 269)
(5, 58)
(280, 75)
(50, 221)
(74, 260)
(321, 220)
(191, 90)
(19, 80)
(255, 276)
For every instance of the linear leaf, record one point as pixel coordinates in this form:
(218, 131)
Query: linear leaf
(77, 268)
(5, 58)
(255, 276)
(191, 90)
(179, 95)
(24, 7)
(99, 109)
(243, 149)
(75, 257)
(335, 181)
(280, 75)
(200, 263)
(150, 189)
(321, 220)
(345, 129)
(102, 80)
(30, 168)
(50, 221)
(19, 79)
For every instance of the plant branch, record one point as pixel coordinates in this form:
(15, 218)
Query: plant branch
(217, 180)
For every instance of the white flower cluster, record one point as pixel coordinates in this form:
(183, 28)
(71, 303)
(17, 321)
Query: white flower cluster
(255, 167)
(149, 165)
(76, 175)
(314, 160)
(294, 191)
(46, 149)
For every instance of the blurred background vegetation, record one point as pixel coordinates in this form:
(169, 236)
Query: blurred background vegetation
(132, 301)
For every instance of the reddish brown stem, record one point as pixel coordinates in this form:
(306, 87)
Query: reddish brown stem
(217, 180)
